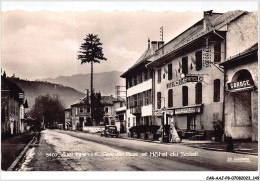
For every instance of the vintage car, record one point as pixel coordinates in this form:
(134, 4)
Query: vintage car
(110, 130)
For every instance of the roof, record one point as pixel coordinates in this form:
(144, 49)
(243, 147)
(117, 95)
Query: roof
(251, 50)
(105, 100)
(194, 33)
(82, 101)
(143, 59)
(6, 84)
(109, 100)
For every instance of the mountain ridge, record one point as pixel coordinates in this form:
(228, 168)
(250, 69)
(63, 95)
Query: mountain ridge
(104, 82)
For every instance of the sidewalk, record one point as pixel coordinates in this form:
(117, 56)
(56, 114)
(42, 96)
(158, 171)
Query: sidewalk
(239, 147)
(12, 146)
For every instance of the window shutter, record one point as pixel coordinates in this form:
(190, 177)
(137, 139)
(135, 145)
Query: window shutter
(198, 56)
(198, 93)
(159, 100)
(185, 65)
(169, 71)
(216, 97)
(170, 98)
(184, 95)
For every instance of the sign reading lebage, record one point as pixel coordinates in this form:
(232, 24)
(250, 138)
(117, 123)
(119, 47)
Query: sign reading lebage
(187, 110)
(240, 84)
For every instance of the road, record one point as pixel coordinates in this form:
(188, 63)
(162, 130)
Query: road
(68, 150)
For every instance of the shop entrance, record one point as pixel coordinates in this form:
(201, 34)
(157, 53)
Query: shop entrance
(242, 100)
(191, 122)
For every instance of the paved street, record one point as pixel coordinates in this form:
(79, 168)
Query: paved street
(68, 150)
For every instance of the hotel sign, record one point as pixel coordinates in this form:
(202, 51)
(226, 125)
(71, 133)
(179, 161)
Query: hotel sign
(188, 78)
(187, 110)
(240, 84)
(206, 54)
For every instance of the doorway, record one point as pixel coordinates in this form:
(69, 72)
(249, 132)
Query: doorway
(191, 122)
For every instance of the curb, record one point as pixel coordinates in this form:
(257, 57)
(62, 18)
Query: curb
(20, 156)
(222, 150)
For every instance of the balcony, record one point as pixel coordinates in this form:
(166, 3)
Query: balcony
(136, 110)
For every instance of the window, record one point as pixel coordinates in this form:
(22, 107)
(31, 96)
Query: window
(134, 121)
(140, 78)
(145, 74)
(130, 82)
(217, 52)
(198, 88)
(121, 104)
(146, 98)
(185, 65)
(140, 97)
(216, 97)
(151, 74)
(184, 95)
(159, 76)
(170, 71)
(88, 109)
(159, 99)
(135, 100)
(128, 122)
(80, 109)
(149, 96)
(170, 98)
(198, 56)
(106, 109)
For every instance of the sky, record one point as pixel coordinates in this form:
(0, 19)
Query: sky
(42, 39)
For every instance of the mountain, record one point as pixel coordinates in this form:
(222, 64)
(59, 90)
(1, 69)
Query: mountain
(104, 82)
(33, 89)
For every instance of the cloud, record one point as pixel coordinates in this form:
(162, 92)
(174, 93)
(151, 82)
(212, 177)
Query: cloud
(44, 44)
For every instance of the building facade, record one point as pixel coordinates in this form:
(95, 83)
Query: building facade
(241, 78)
(188, 81)
(139, 109)
(13, 105)
(80, 114)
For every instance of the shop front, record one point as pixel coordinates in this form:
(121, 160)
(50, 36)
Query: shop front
(241, 96)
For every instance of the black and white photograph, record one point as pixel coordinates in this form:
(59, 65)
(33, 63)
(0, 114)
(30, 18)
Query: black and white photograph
(129, 87)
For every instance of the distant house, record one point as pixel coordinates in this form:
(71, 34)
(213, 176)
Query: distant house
(68, 119)
(115, 110)
(78, 115)
(13, 105)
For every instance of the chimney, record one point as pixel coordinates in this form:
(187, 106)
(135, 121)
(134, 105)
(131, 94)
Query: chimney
(206, 20)
(160, 44)
(154, 45)
(148, 43)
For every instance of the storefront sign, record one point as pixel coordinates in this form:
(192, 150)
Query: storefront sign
(240, 84)
(188, 78)
(187, 110)
(160, 112)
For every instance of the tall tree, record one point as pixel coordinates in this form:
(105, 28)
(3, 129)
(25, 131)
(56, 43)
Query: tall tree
(98, 108)
(91, 51)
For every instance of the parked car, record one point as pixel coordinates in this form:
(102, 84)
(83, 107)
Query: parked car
(110, 130)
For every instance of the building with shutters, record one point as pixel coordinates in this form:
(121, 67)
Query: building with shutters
(13, 105)
(139, 107)
(188, 80)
